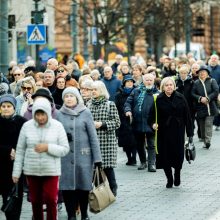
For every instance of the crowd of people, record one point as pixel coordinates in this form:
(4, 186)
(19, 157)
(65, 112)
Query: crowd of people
(58, 125)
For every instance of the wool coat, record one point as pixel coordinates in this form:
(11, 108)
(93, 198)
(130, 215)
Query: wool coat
(9, 131)
(77, 165)
(107, 113)
(125, 133)
(212, 90)
(173, 118)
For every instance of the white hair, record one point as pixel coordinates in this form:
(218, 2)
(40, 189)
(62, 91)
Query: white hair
(100, 86)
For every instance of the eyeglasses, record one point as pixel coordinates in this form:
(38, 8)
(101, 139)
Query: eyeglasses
(60, 71)
(26, 88)
(17, 74)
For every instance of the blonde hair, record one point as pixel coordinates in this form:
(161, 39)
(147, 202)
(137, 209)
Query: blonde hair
(164, 81)
(100, 86)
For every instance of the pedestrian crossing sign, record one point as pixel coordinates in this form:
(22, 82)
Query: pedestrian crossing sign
(36, 34)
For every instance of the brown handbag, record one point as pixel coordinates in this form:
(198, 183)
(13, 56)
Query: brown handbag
(101, 195)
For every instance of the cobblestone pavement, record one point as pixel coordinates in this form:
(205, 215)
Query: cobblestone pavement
(143, 195)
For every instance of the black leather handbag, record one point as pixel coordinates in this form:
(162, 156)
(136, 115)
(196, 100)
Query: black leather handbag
(11, 204)
(190, 152)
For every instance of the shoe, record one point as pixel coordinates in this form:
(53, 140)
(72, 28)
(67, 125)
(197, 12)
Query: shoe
(143, 166)
(86, 218)
(207, 145)
(114, 191)
(130, 163)
(151, 168)
(217, 128)
(201, 140)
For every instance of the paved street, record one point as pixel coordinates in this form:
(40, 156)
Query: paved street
(143, 195)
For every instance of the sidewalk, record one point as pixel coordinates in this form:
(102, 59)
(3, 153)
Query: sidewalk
(143, 195)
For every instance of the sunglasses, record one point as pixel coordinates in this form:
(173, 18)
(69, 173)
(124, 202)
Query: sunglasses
(26, 88)
(17, 74)
(60, 71)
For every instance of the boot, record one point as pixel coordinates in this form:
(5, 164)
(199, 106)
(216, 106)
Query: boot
(177, 177)
(169, 175)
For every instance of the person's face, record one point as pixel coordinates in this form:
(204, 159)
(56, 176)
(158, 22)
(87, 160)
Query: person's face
(136, 72)
(172, 66)
(95, 93)
(195, 68)
(7, 109)
(51, 65)
(91, 65)
(118, 60)
(183, 75)
(41, 118)
(129, 84)
(168, 87)
(85, 92)
(148, 80)
(125, 69)
(27, 88)
(214, 60)
(166, 62)
(39, 84)
(70, 100)
(108, 73)
(48, 78)
(61, 72)
(60, 83)
(203, 74)
(70, 68)
(18, 75)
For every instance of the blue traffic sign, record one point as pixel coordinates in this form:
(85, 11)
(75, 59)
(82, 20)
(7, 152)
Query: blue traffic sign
(36, 34)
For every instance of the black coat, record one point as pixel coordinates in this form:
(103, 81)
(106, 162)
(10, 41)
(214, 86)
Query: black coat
(57, 97)
(212, 90)
(140, 117)
(185, 88)
(9, 131)
(173, 119)
(124, 133)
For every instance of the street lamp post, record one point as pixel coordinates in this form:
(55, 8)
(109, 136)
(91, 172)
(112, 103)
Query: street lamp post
(74, 26)
(4, 36)
(85, 30)
(187, 16)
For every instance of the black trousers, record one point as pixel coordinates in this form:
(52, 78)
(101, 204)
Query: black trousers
(110, 173)
(141, 139)
(73, 198)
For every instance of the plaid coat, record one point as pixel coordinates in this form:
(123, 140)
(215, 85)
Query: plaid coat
(107, 113)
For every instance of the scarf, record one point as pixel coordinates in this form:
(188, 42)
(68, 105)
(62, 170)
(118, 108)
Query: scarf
(127, 90)
(143, 91)
(99, 100)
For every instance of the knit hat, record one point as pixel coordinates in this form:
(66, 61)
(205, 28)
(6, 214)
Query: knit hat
(8, 98)
(204, 67)
(44, 92)
(3, 88)
(126, 78)
(42, 104)
(75, 92)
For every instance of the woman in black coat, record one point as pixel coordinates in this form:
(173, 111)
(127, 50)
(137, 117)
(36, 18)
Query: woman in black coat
(125, 134)
(173, 119)
(10, 126)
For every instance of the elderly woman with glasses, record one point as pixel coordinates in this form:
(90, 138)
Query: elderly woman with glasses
(28, 87)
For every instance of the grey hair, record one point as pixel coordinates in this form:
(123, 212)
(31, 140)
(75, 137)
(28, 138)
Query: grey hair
(164, 81)
(100, 86)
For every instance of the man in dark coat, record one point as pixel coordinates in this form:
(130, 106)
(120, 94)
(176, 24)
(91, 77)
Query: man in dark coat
(138, 106)
(111, 82)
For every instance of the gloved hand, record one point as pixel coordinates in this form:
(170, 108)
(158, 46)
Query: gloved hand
(69, 137)
(98, 164)
(190, 140)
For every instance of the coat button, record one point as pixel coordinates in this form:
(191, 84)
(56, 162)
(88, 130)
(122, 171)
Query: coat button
(71, 151)
(71, 128)
(72, 118)
(72, 162)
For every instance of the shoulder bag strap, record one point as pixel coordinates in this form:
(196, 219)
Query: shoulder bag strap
(155, 138)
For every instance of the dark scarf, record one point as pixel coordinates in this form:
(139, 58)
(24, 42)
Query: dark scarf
(127, 90)
(99, 100)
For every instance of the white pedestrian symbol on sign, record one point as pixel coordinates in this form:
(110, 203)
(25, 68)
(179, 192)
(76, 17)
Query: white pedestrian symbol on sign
(36, 35)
